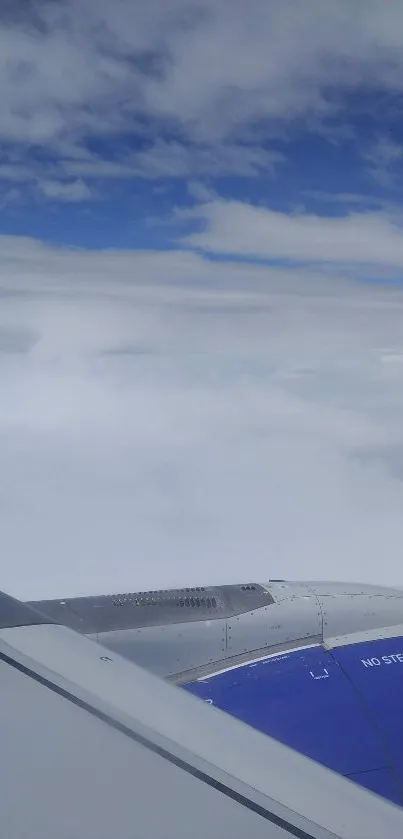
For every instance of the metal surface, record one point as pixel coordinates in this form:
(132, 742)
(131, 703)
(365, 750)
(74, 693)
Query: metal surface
(287, 620)
(326, 718)
(15, 613)
(65, 774)
(375, 668)
(339, 704)
(91, 615)
(174, 640)
(367, 635)
(358, 611)
(169, 650)
(76, 721)
(303, 699)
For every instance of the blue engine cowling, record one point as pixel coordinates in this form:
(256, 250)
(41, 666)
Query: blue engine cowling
(343, 706)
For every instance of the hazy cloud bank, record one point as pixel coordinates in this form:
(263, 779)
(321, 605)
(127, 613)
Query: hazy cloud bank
(165, 419)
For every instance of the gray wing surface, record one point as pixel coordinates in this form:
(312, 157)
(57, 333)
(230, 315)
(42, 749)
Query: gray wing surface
(95, 747)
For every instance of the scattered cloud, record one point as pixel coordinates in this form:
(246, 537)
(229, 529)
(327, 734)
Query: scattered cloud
(346, 198)
(96, 167)
(62, 191)
(9, 197)
(383, 156)
(173, 159)
(14, 172)
(237, 228)
(204, 71)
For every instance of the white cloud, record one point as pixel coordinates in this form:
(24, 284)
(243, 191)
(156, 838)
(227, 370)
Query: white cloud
(383, 157)
(237, 228)
(14, 172)
(173, 159)
(65, 191)
(96, 167)
(9, 197)
(166, 419)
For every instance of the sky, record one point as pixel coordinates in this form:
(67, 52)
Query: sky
(201, 293)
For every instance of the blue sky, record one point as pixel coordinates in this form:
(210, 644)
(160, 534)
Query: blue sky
(112, 120)
(310, 172)
(201, 304)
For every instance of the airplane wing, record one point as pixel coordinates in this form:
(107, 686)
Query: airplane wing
(95, 747)
(318, 666)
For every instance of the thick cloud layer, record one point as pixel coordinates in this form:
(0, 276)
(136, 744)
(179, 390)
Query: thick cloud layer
(167, 420)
